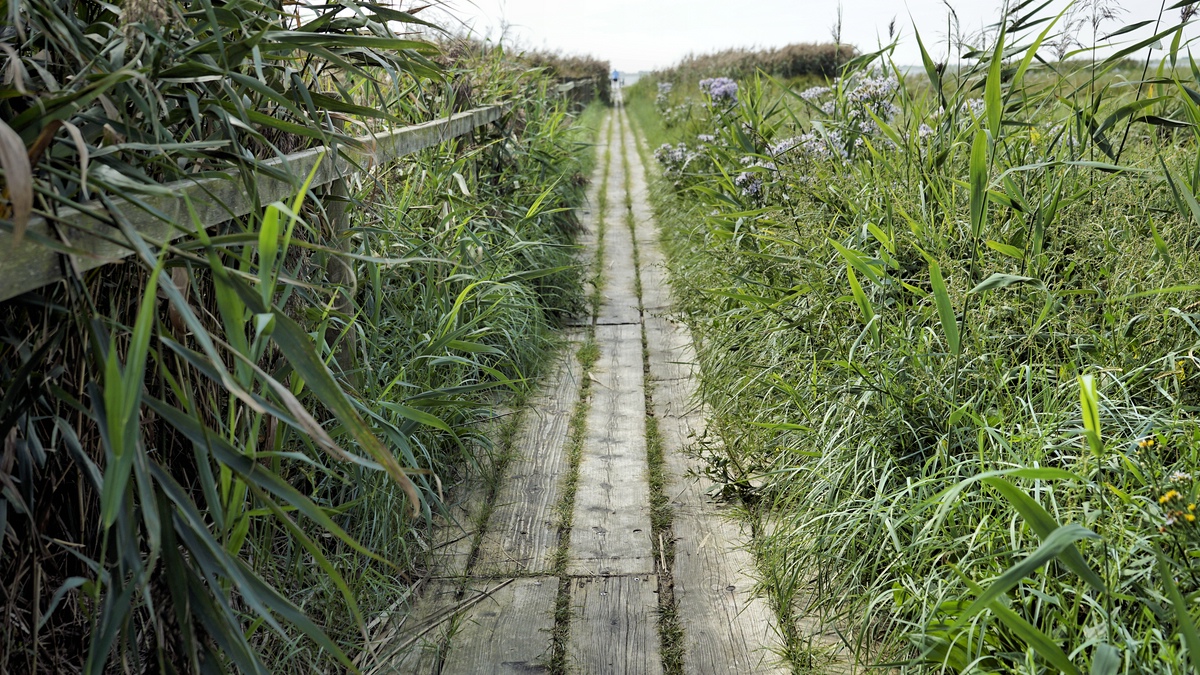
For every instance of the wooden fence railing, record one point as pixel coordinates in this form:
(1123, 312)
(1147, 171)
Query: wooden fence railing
(86, 236)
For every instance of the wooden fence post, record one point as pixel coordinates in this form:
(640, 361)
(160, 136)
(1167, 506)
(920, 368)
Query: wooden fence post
(340, 272)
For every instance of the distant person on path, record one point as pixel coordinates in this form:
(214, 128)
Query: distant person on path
(616, 76)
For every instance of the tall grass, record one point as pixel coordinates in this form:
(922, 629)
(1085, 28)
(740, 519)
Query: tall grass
(789, 62)
(221, 455)
(947, 325)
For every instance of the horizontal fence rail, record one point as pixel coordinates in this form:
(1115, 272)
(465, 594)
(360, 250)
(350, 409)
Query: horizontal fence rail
(163, 216)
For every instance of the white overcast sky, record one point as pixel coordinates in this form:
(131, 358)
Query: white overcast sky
(647, 34)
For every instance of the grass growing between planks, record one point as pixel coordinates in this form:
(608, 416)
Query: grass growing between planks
(588, 354)
(947, 325)
(662, 540)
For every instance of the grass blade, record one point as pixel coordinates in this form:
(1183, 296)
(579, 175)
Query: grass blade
(945, 309)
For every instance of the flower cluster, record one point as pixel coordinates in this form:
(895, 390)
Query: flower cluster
(852, 118)
(750, 182)
(831, 145)
(1177, 513)
(781, 147)
(663, 99)
(721, 90)
(872, 96)
(873, 90)
(674, 158)
(706, 138)
(813, 93)
(968, 111)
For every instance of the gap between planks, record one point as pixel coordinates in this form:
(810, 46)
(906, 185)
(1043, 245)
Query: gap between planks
(726, 627)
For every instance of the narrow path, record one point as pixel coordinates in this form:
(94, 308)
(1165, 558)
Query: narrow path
(599, 552)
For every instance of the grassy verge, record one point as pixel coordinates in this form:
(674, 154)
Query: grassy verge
(264, 406)
(944, 340)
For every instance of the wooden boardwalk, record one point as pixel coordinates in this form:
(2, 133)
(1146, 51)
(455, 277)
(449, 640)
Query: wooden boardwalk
(568, 574)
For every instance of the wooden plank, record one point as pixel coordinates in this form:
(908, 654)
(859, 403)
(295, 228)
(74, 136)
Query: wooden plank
(619, 303)
(522, 532)
(163, 216)
(454, 532)
(589, 222)
(610, 531)
(414, 639)
(671, 353)
(506, 633)
(727, 628)
(613, 628)
(652, 267)
(647, 231)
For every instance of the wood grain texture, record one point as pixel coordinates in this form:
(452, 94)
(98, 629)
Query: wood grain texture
(619, 303)
(614, 628)
(589, 224)
(671, 354)
(454, 533)
(643, 215)
(415, 639)
(506, 633)
(522, 532)
(652, 266)
(727, 628)
(610, 532)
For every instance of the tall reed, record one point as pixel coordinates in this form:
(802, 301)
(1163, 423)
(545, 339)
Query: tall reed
(947, 327)
(222, 455)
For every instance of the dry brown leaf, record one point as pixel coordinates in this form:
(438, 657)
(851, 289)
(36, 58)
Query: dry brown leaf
(18, 178)
(82, 151)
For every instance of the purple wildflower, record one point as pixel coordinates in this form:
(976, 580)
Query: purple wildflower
(721, 90)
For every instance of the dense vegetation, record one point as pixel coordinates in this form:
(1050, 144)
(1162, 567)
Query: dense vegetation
(948, 330)
(222, 455)
(792, 61)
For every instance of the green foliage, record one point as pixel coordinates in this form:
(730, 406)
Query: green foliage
(997, 476)
(790, 61)
(223, 455)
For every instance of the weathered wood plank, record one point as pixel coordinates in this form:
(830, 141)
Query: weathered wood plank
(727, 628)
(163, 216)
(671, 351)
(614, 628)
(589, 222)
(506, 633)
(522, 532)
(639, 192)
(454, 533)
(610, 532)
(619, 291)
(652, 266)
(414, 639)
